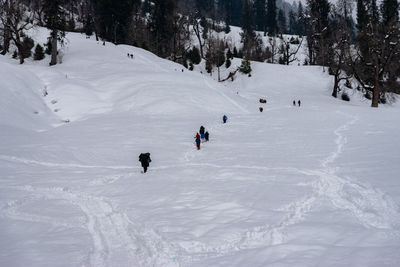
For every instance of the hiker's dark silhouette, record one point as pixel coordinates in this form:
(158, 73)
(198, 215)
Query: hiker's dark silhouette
(145, 160)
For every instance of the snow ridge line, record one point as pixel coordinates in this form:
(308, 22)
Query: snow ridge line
(58, 165)
(115, 238)
(11, 210)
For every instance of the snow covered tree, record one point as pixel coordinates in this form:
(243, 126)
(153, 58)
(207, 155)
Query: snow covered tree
(15, 21)
(376, 65)
(245, 67)
(318, 31)
(54, 18)
(300, 19)
(339, 52)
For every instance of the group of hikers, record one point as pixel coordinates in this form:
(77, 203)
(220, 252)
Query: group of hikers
(298, 102)
(201, 136)
(204, 136)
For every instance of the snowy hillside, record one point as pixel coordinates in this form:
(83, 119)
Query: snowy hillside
(315, 185)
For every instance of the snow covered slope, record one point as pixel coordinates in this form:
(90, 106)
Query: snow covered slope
(315, 185)
(21, 102)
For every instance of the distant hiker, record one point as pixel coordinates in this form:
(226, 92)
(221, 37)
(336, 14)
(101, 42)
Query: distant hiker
(202, 132)
(294, 102)
(299, 102)
(145, 159)
(198, 141)
(131, 56)
(224, 118)
(128, 55)
(207, 136)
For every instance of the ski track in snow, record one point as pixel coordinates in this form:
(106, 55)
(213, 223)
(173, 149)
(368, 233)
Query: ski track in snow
(115, 237)
(369, 205)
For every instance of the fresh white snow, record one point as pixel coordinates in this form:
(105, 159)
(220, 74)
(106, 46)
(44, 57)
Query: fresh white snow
(316, 185)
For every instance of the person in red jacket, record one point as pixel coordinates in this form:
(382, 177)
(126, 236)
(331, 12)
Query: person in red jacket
(198, 141)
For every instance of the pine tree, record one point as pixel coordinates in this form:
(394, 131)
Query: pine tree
(113, 18)
(282, 21)
(55, 21)
(205, 7)
(237, 12)
(300, 19)
(318, 36)
(271, 22)
(245, 67)
(162, 26)
(27, 46)
(292, 23)
(259, 6)
(39, 52)
(228, 10)
(247, 19)
(390, 12)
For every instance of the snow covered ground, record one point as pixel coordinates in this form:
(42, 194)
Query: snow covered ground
(316, 185)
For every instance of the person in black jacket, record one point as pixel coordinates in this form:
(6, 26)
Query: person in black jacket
(145, 159)
(207, 136)
(202, 131)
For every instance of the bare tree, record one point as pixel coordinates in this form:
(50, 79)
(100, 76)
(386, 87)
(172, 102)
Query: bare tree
(15, 20)
(198, 31)
(372, 69)
(339, 56)
(272, 50)
(181, 40)
(289, 51)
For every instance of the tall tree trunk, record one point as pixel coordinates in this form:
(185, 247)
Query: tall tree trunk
(54, 49)
(375, 92)
(20, 56)
(6, 41)
(336, 84)
(6, 33)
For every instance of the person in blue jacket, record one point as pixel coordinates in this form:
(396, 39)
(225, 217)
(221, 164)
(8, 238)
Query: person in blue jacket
(202, 132)
(224, 118)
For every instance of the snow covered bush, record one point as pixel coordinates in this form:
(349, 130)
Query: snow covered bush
(345, 97)
(194, 55)
(39, 52)
(245, 67)
(27, 46)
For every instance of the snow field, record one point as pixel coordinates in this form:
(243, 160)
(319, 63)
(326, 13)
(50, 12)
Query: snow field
(315, 185)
